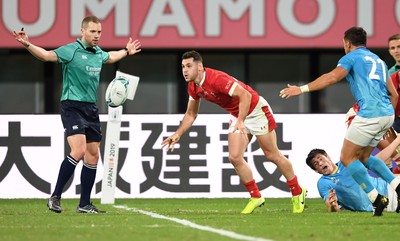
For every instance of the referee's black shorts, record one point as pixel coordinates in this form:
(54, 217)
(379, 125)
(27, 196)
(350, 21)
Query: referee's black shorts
(81, 118)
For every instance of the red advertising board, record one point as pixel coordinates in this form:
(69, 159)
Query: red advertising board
(202, 23)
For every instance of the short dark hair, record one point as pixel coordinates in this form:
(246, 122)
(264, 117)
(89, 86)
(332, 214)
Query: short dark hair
(193, 54)
(394, 37)
(312, 154)
(89, 19)
(356, 36)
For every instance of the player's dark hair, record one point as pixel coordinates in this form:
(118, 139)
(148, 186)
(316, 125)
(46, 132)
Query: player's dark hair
(192, 54)
(394, 37)
(312, 154)
(89, 19)
(356, 36)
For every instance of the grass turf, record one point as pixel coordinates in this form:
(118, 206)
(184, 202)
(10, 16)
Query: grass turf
(29, 219)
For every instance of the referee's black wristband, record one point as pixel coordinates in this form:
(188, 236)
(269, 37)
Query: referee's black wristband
(127, 51)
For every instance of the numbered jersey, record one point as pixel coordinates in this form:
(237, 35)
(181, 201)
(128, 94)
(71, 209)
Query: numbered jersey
(367, 76)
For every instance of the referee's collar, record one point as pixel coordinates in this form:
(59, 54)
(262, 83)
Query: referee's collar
(84, 46)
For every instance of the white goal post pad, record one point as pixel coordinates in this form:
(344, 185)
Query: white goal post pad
(133, 83)
(111, 151)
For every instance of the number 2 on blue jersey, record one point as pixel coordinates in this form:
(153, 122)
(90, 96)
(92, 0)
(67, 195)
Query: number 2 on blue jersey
(372, 74)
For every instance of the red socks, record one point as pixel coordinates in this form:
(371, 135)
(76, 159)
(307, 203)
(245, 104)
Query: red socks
(253, 189)
(294, 186)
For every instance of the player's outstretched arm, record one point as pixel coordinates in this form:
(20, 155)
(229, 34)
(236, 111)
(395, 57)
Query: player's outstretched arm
(321, 82)
(293, 90)
(36, 51)
(132, 47)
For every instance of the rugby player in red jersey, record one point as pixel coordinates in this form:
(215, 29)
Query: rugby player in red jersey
(250, 115)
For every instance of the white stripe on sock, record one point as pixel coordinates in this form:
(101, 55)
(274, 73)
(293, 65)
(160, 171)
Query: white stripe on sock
(90, 166)
(72, 160)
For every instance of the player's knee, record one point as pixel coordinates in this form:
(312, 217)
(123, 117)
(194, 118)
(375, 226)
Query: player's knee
(92, 158)
(78, 154)
(347, 159)
(235, 159)
(272, 156)
(95, 158)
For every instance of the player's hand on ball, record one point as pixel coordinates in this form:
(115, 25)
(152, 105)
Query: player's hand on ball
(289, 91)
(170, 142)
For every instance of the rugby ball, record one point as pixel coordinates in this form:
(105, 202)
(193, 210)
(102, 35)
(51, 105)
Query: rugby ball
(117, 92)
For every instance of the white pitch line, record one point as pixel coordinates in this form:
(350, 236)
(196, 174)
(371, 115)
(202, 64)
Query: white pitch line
(194, 225)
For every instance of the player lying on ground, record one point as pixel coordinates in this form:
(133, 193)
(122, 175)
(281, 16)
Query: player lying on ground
(338, 188)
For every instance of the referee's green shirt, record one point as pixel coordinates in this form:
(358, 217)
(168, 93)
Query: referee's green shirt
(81, 71)
(394, 68)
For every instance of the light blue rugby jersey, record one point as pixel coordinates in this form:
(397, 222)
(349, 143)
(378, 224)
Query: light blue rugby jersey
(349, 193)
(367, 76)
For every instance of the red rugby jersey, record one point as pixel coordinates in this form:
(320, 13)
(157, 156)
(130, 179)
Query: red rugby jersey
(395, 79)
(215, 89)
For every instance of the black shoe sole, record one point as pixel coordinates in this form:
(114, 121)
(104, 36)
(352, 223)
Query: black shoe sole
(56, 211)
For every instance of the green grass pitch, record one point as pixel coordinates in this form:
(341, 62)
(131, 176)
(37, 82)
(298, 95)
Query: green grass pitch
(190, 220)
